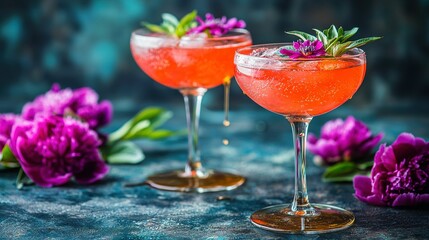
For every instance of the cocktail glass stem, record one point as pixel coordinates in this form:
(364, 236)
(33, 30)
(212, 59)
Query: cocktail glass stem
(194, 178)
(301, 216)
(300, 204)
(193, 98)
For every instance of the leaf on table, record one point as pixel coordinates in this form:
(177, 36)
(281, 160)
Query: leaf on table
(145, 121)
(119, 149)
(345, 171)
(7, 159)
(158, 134)
(124, 152)
(22, 180)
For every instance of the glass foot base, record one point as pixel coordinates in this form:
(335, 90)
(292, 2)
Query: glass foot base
(324, 219)
(177, 181)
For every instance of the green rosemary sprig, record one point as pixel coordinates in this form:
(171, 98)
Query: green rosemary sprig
(335, 41)
(173, 26)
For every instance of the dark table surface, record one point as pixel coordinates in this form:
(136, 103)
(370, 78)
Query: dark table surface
(260, 148)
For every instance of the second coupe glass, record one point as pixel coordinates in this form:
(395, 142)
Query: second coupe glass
(191, 64)
(299, 89)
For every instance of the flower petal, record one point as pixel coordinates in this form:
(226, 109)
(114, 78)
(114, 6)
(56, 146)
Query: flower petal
(362, 186)
(93, 170)
(297, 45)
(411, 200)
(216, 27)
(306, 43)
(287, 52)
(369, 144)
(318, 45)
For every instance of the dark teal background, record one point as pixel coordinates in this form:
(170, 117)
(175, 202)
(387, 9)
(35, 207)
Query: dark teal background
(86, 43)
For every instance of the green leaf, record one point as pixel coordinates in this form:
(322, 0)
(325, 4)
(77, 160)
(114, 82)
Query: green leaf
(155, 28)
(172, 26)
(350, 33)
(140, 126)
(362, 42)
(159, 134)
(169, 23)
(340, 32)
(7, 158)
(124, 152)
(339, 49)
(346, 178)
(304, 36)
(331, 43)
(321, 36)
(345, 171)
(339, 169)
(332, 32)
(151, 117)
(185, 23)
(22, 179)
(365, 166)
(325, 31)
(170, 19)
(169, 28)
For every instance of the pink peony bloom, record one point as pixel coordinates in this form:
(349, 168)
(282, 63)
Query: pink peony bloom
(400, 175)
(216, 26)
(6, 123)
(304, 49)
(81, 102)
(52, 149)
(343, 141)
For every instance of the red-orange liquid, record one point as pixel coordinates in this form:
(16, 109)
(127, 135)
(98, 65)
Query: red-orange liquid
(181, 67)
(302, 88)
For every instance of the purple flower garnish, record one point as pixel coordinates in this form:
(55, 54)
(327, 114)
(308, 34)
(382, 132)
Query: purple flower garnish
(6, 123)
(304, 49)
(343, 141)
(52, 149)
(400, 175)
(80, 102)
(216, 26)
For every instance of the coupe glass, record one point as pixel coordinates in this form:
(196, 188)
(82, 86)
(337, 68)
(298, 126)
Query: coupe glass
(299, 89)
(191, 65)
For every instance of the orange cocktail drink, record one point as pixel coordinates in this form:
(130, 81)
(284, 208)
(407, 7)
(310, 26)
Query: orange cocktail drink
(307, 87)
(189, 62)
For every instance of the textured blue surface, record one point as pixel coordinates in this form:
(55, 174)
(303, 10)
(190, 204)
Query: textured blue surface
(260, 149)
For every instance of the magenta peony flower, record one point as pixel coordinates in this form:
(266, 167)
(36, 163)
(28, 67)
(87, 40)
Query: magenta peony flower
(343, 141)
(217, 26)
(304, 49)
(81, 102)
(6, 123)
(52, 149)
(400, 175)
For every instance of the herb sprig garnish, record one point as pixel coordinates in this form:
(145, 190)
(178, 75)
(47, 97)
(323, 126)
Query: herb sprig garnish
(335, 42)
(173, 26)
(193, 24)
